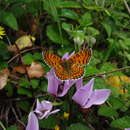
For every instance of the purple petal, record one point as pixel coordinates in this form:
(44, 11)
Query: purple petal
(53, 112)
(46, 105)
(79, 83)
(53, 83)
(38, 106)
(82, 94)
(127, 128)
(65, 87)
(67, 56)
(45, 108)
(98, 97)
(32, 122)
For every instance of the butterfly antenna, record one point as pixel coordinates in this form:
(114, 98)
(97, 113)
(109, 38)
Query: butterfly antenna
(44, 50)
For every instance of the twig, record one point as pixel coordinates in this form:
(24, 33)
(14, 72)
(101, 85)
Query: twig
(21, 59)
(8, 40)
(127, 6)
(25, 68)
(24, 51)
(2, 126)
(7, 112)
(105, 73)
(21, 99)
(17, 116)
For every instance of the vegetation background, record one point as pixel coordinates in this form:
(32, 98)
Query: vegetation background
(63, 26)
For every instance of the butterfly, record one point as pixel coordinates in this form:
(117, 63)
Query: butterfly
(72, 68)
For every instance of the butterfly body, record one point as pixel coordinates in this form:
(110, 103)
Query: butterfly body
(72, 68)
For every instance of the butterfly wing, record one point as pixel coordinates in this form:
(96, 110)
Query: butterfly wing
(81, 58)
(79, 61)
(52, 60)
(75, 64)
(76, 72)
(61, 73)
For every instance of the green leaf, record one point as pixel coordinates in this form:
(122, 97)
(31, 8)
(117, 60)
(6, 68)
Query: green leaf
(69, 14)
(107, 111)
(48, 123)
(121, 123)
(50, 7)
(12, 128)
(24, 91)
(86, 20)
(116, 103)
(24, 83)
(89, 70)
(34, 83)
(9, 19)
(9, 89)
(67, 4)
(127, 41)
(3, 65)
(108, 29)
(54, 35)
(4, 53)
(24, 105)
(28, 58)
(92, 31)
(77, 126)
(67, 27)
(37, 56)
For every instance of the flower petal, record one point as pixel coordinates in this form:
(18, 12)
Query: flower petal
(67, 56)
(45, 108)
(98, 97)
(32, 122)
(82, 94)
(53, 112)
(46, 105)
(79, 83)
(65, 87)
(53, 83)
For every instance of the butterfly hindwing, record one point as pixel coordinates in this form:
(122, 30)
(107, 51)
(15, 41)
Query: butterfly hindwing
(73, 68)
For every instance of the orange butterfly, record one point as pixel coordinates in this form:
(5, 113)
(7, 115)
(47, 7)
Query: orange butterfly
(73, 68)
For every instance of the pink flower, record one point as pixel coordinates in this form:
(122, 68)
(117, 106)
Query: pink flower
(85, 96)
(43, 110)
(58, 87)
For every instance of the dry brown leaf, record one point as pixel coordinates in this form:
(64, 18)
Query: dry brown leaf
(19, 69)
(22, 43)
(3, 78)
(25, 41)
(35, 70)
(12, 48)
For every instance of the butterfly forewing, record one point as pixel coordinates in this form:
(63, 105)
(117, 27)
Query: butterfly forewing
(52, 59)
(82, 57)
(73, 68)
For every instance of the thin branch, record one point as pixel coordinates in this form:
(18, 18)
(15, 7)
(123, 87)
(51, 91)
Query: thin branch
(22, 98)
(127, 6)
(16, 116)
(105, 73)
(24, 51)
(2, 126)
(21, 59)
